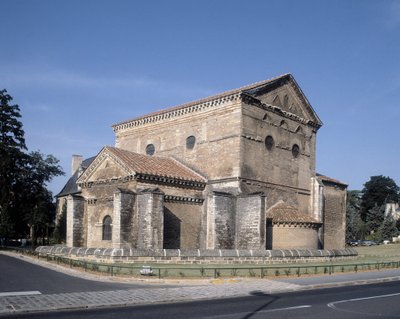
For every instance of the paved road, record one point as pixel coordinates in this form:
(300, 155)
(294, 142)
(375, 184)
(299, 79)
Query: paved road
(57, 291)
(369, 301)
(340, 278)
(17, 275)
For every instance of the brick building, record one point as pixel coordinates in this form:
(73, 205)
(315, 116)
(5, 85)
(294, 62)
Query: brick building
(231, 171)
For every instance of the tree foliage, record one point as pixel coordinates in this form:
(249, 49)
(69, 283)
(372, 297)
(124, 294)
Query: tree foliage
(25, 203)
(12, 146)
(352, 215)
(375, 217)
(388, 229)
(378, 191)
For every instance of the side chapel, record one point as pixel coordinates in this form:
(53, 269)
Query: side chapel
(232, 171)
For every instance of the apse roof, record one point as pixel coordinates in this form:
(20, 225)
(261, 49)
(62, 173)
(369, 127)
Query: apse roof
(285, 213)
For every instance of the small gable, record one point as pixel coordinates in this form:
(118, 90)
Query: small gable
(114, 163)
(108, 169)
(286, 95)
(105, 166)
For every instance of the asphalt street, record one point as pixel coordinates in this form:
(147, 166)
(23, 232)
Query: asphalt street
(17, 275)
(367, 301)
(46, 293)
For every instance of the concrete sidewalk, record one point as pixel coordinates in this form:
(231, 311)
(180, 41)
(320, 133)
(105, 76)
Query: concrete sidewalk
(188, 291)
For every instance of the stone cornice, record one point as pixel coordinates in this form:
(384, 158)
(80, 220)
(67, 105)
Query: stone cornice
(181, 199)
(295, 224)
(144, 178)
(177, 112)
(277, 110)
(170, 181)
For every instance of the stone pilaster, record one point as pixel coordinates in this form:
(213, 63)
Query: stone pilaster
(75, 222)
(150, 206)
(220, 221)
(250, 221)
(122, 215)
(317, 207)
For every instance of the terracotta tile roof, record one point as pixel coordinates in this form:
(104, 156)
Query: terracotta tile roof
(329, 179)
(282, 212)
(156, 165)
(213, 97)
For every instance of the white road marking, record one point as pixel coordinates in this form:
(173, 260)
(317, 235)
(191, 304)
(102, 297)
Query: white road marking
(19, 293)
(333, 304)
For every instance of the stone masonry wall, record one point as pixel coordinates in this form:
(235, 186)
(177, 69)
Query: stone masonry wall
(123, 215)
(215, 129)
(220, 221)
(75, 224)
(276, 171)
(182, 225)
(198, 256)
(293, 237)
(250, 221)
(151, 222)
(334, 216)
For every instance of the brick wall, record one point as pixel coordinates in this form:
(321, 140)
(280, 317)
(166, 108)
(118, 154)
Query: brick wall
(250, 221)
(334, 216)
(293, 237)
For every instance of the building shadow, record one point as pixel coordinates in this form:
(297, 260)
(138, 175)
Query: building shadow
(258, 293)
(172, 230)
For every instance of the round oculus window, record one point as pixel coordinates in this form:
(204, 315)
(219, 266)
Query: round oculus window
(295, 150)
(190, 142)
(150, 149)
(269, 142)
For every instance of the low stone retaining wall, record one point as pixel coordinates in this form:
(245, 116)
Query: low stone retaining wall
(198, 256)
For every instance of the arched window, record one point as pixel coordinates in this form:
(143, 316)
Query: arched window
(269, 142)
(190, 142)
(150, 149)
(107, 221)
(295, 150)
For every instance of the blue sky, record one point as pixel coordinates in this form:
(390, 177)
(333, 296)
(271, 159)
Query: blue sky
(77, 67)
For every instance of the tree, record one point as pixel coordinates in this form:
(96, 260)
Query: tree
(25, 203)
(388, 229)
(379, 190)
(352, 215)
(375, 217)
(35, 204)
(12, 146)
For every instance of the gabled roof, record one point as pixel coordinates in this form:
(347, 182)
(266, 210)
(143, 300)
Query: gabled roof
(247, 89)
(135, 164)
(330, 180)
(284, 213)
(71, 187)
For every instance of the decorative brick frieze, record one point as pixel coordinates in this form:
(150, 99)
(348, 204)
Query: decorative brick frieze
(186, 200)
(170, 181)
(176, 112)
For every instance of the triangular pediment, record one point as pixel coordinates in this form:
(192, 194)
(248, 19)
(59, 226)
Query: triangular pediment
(113, 164)
(285, 95)
(105, 167)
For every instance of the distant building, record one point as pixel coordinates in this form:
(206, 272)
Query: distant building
(393, 210)
(231, 171)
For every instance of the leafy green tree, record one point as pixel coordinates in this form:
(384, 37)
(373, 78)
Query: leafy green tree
(35, 205)
(25, 203)
(388, 228)
(379, 190)
(375, 217)
(353, 215)
(12, 146)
